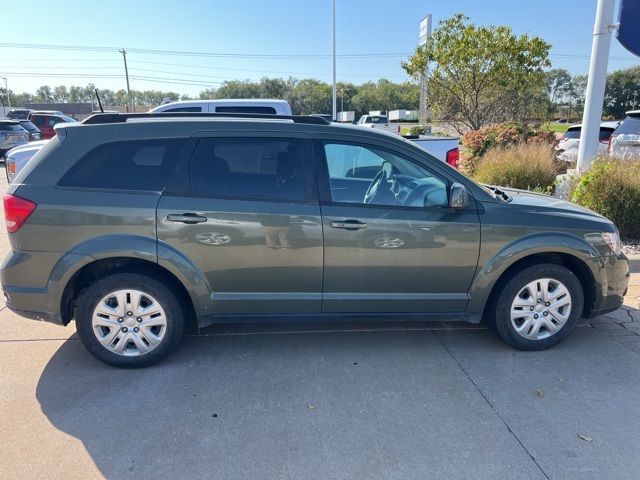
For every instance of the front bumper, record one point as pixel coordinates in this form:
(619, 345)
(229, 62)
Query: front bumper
(614, 284)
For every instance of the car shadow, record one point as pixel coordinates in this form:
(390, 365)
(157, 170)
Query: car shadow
(251, 402)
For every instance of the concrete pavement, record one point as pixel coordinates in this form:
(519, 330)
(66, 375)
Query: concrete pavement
(324, 401)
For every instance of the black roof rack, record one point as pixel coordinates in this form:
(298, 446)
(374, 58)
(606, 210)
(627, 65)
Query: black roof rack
(100, 118)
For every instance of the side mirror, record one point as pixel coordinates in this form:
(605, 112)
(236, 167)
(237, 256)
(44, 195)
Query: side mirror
(459, 196)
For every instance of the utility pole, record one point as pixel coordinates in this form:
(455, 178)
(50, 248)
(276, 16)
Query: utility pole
(6, 88)
(334, 95)
(594, 98)
(126, 72)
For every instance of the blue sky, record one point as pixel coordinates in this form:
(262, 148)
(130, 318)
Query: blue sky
(300, 29)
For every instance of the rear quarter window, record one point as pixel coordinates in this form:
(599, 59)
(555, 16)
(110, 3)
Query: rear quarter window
(246, 109)
(140, 165)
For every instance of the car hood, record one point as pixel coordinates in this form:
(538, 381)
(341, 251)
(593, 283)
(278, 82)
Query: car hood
(544, 202)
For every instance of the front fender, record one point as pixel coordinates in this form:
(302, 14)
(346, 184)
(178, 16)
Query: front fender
(536, 243)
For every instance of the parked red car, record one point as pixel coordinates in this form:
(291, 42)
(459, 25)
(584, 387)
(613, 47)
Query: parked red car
(46, 121)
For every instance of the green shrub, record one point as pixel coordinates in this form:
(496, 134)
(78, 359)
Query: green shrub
(417, 130)
(612, 188)
(476, 143)
(527, 166)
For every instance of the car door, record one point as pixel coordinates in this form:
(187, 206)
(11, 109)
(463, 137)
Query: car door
(245, 211)
(391, 243)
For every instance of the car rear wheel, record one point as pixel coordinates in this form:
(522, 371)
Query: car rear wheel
(129, 320)
(538, 307)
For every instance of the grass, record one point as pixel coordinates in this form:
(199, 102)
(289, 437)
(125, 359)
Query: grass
(555, 127)
(528, 166)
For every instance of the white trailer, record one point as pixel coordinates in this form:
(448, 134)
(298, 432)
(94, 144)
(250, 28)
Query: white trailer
(403, 115)
(346, 117)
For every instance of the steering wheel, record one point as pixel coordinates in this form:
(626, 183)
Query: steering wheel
(380, 177)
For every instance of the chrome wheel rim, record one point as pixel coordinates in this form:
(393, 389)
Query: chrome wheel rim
(540, 309)
(213, 238)
(129, 322)
(388, 242)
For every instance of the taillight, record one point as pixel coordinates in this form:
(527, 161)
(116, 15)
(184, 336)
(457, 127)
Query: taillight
(16, 211)
(453, 157)
(610, 142)
(11, 166)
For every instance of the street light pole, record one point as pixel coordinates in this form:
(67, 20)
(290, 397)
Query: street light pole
(6, 89)
(334, 99)
(594, 98)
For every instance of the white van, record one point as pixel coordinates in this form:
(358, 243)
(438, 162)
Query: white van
(234, 105)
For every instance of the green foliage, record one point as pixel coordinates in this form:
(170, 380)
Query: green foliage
(527, 166)
(622, 92)
(476, 143)
(612, 189)
(417, 130)
(481, 75)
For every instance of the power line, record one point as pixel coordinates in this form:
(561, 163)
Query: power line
(193, 53)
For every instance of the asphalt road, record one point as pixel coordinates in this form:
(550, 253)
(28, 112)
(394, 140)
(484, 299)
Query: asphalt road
(322, 401)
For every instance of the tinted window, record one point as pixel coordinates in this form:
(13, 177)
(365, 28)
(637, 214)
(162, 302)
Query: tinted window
(132, 165)
(29, 126)
(367, 175)
(605, 133)
(376, 119)
(184, 109)
(246, 109)
(11, 127)
(572, 133)
(629, 125)
(248, 167)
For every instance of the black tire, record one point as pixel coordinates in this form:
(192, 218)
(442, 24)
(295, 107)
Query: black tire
(500, 308)
(174, 313)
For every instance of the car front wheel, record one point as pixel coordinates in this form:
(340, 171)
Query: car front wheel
(129, 320)
(538, 307)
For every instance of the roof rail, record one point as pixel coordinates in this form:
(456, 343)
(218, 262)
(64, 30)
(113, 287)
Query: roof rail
(100, 118)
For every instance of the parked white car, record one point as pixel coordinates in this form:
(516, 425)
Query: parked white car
(380, 122)
(445, 149)
(567, 148)
(235, 105)
(625, 141)
(18, 157)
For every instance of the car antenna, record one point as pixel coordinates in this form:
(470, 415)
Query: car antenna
(99, 102)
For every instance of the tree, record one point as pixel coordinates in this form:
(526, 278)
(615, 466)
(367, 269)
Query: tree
(60, 94)
(622, 92)
(480, 75)
(44, 94)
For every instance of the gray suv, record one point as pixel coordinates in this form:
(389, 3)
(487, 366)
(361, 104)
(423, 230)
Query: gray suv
(138, 226)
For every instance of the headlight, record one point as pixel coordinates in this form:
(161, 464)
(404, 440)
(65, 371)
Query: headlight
(613, 240)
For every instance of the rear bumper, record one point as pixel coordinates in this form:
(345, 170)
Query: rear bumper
(26, 287)
(40, 316)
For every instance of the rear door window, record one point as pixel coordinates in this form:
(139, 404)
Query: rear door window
(143, 165)
(265, 168)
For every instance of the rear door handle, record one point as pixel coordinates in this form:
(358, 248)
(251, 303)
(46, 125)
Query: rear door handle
(348, 224)
(189, 218)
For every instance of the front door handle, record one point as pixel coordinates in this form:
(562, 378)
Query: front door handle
(189, 218)
(348, 224)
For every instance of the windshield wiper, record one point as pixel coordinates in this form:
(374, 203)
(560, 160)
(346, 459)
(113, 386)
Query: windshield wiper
(499, 193)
